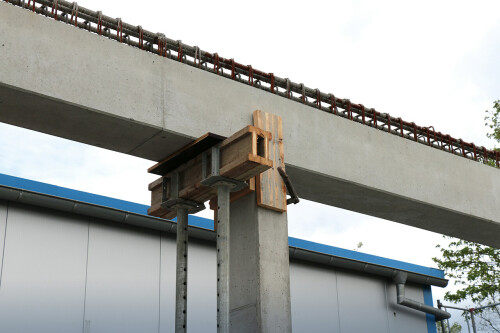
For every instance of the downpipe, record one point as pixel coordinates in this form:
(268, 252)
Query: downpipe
(400, 280)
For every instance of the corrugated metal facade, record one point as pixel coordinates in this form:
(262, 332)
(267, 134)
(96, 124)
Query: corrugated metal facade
(63, 272)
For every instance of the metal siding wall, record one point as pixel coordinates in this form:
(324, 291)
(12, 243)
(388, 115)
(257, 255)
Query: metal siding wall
(202, 293)
(314, 298)
(401, 318)
(202, 282)
(129, 283)
(167, 284)
(3, 225)
(123, 280)
(43, 280)
(362, 303)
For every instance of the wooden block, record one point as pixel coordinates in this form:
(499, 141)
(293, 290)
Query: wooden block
(270, 187)
(242, 156)
(156, 197)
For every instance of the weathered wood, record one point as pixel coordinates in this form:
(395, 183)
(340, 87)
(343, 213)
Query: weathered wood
(186, 153)
(242, 157)
(270, 187)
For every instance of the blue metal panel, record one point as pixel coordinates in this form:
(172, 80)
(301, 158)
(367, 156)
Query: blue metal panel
(67, 193)
(431, 320)
(359, 256)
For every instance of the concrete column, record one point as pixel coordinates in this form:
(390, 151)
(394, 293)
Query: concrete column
(259, 269)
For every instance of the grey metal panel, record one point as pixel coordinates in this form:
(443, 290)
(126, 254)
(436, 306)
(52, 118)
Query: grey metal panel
(202, 281)
(401, 318)
(3, 224)
(202, 292)
(314, 298)
(130, 289)
(123, 279)
(362, 303)
(167, 284)
(43, 281)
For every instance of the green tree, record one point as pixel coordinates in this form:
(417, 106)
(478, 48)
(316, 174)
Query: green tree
(475, 268)
(455, 328)
(493, 121)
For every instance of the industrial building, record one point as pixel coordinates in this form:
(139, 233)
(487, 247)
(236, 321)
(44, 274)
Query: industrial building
(78, 262)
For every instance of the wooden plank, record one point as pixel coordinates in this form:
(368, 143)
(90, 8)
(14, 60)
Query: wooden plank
(240, 159)
(270, 187)
(186, 153)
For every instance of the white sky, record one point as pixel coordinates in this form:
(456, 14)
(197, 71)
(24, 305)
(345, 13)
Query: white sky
(434, 63)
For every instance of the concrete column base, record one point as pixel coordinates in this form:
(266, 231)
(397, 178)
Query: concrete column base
(259, 269)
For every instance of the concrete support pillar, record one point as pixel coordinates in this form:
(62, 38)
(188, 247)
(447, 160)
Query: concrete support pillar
(259, 269)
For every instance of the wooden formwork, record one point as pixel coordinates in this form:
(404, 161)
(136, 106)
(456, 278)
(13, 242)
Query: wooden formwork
(243, 156)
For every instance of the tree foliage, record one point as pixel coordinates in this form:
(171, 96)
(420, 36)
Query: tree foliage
(492, 120)
(475, 269)
(455, 328)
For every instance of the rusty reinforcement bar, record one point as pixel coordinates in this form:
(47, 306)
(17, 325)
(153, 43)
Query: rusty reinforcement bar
(116, 29)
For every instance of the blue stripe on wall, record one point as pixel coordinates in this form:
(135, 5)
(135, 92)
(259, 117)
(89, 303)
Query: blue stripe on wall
(300, 243)
(62, 192)
(431, 320)
(57, 191)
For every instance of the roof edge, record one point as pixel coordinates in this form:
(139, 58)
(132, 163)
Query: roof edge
(31, 192)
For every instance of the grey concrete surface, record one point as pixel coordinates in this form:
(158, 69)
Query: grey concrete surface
(259, 269)
(68, 82)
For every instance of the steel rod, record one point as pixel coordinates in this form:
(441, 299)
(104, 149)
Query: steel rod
(473, 321)
(454, 307)
(181, 271)
(486, 306)
(223, 258)
(468, 325)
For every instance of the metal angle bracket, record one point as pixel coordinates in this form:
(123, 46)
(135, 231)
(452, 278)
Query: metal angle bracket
(172, 201)
(214, 179)
(191, 206)
(289, 186)
(233, 184)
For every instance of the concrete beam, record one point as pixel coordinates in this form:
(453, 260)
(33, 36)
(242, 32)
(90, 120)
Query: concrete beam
(68, 82)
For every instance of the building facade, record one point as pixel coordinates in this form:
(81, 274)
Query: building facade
(77, 262)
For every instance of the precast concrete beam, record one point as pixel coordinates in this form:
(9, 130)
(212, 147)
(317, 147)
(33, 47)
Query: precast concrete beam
(68, 82)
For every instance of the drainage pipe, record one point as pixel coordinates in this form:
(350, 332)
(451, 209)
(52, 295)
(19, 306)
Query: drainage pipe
(400, 280)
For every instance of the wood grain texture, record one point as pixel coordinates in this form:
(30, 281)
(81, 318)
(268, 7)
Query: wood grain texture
(240, 159)
(271, 190)
(186, 153)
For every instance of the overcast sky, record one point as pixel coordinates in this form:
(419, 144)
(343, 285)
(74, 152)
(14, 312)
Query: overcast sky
(434, 63)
